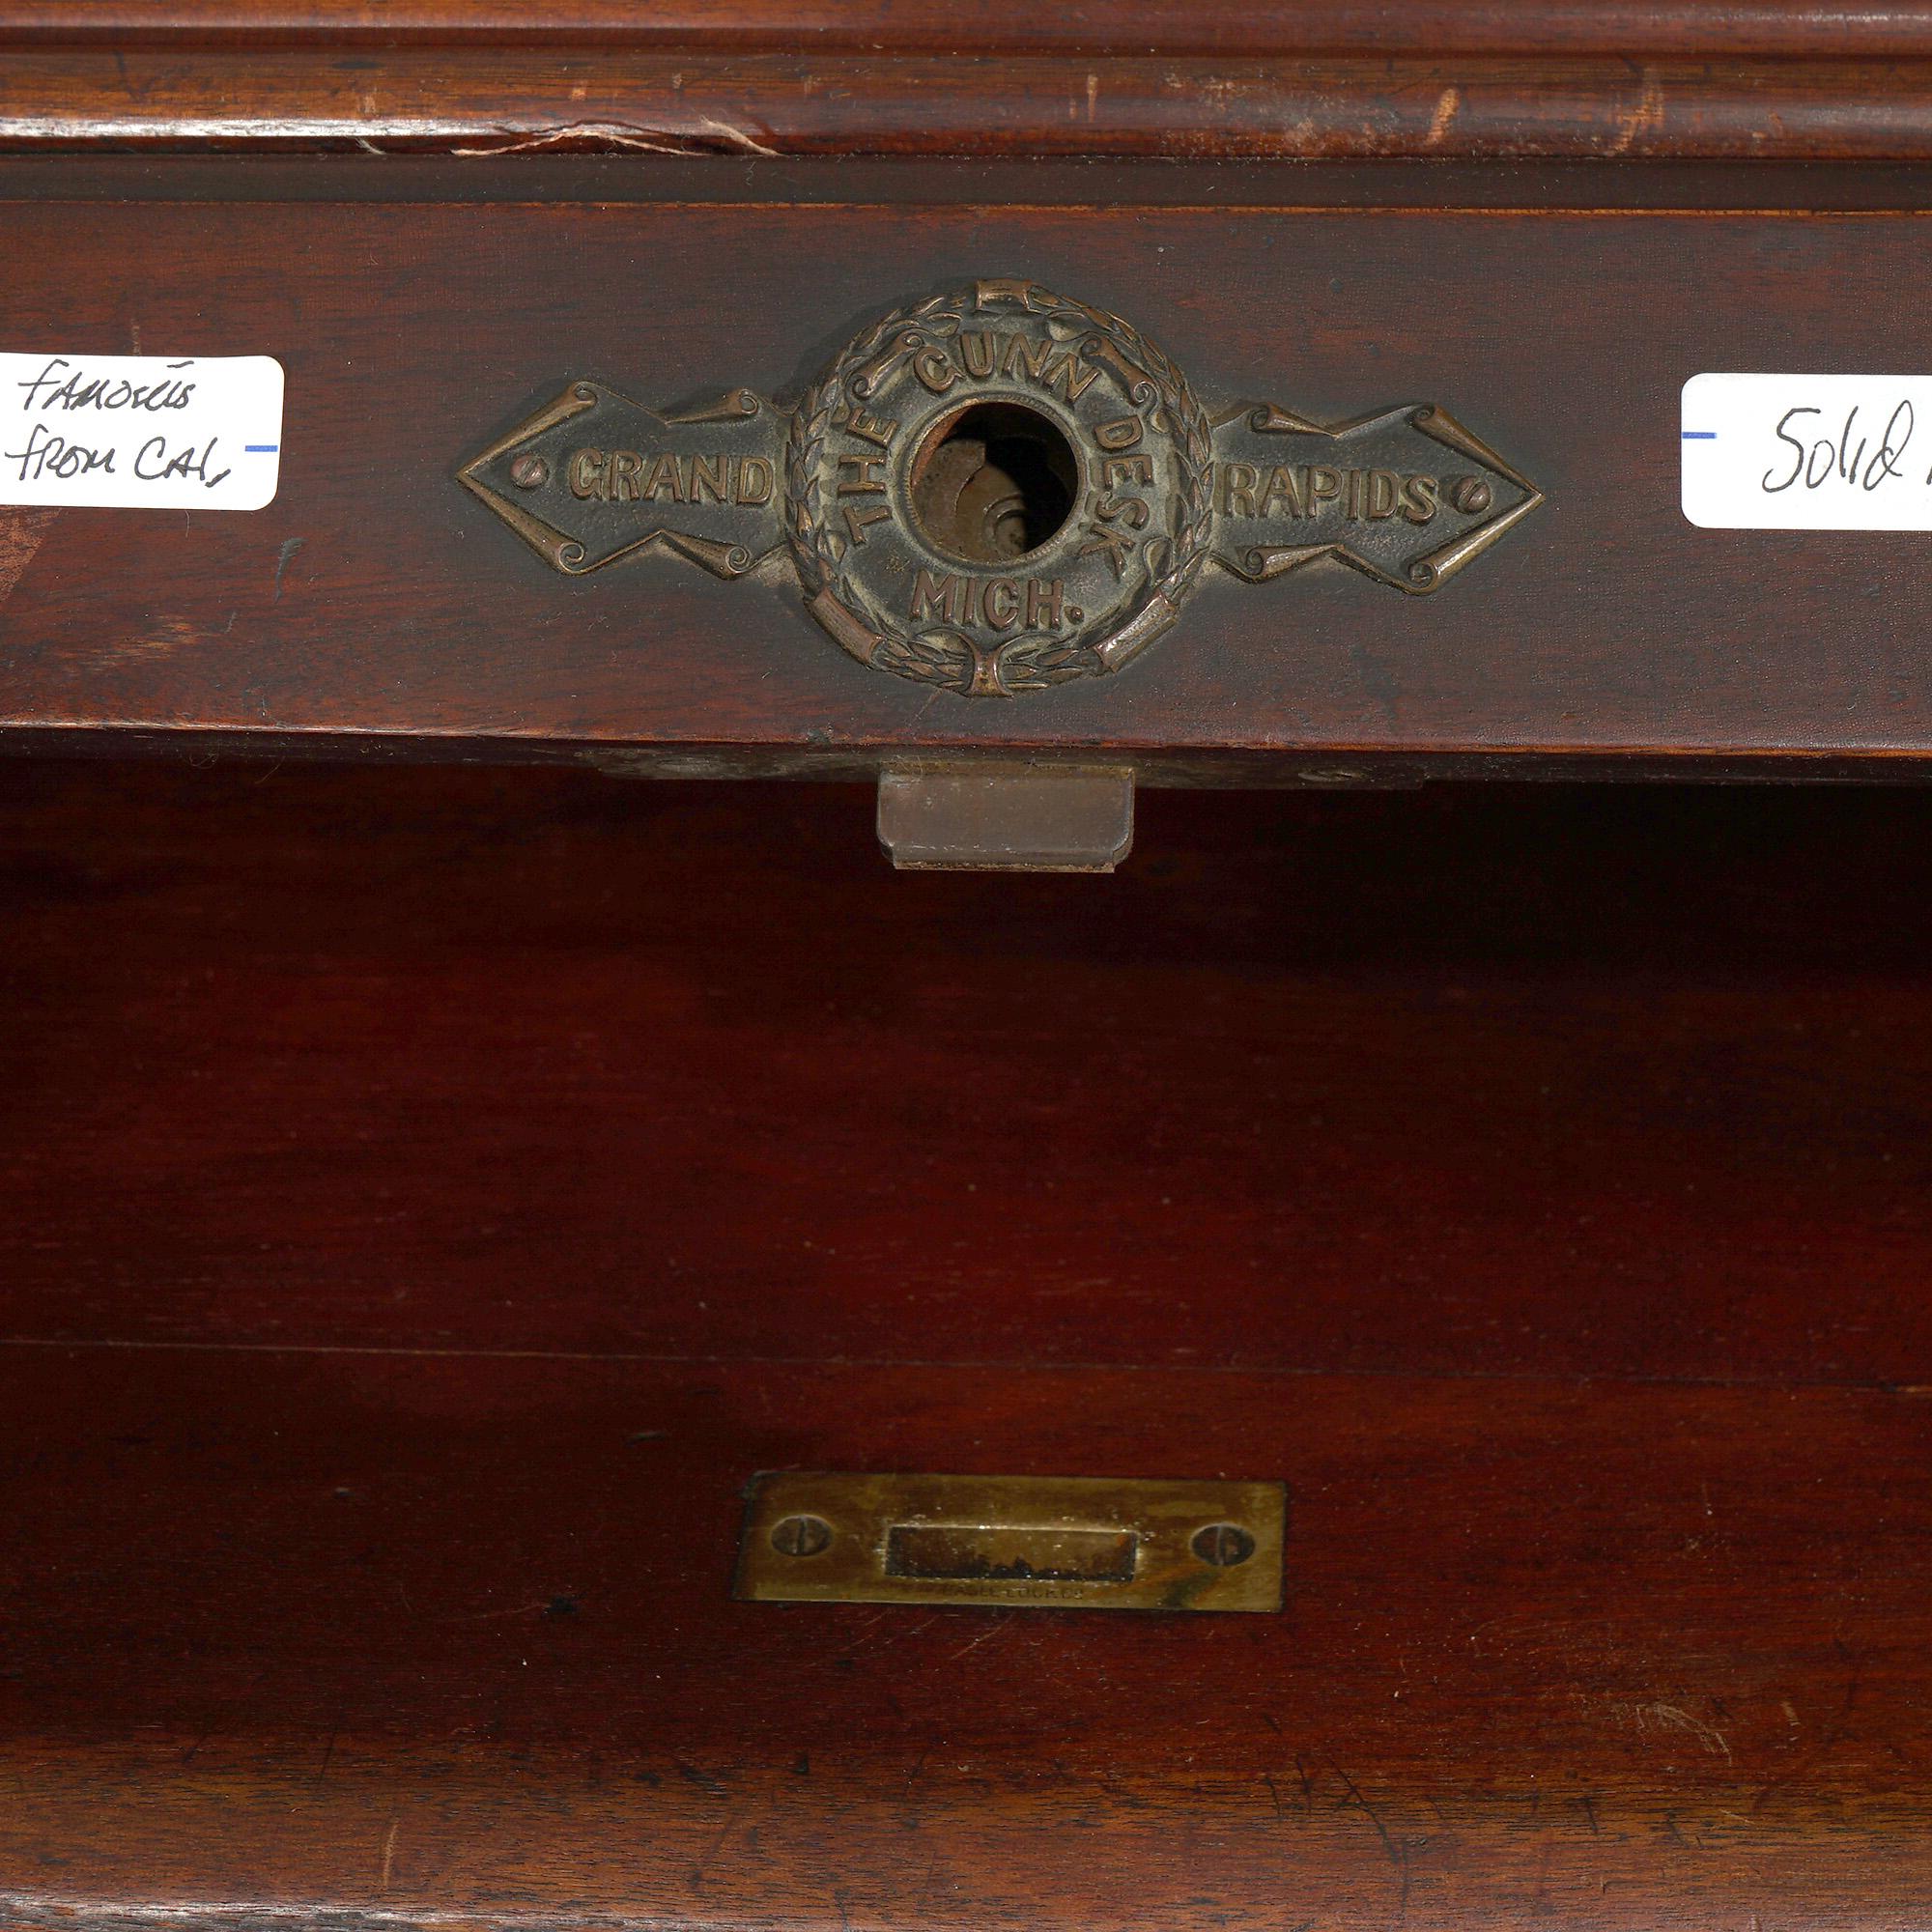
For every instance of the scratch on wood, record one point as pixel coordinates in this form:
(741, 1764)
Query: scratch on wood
(704, 1779)
(984, 1636)
(388, 1853)
(327, 1755)
(21, 534)
(1646, 117)
(1677, 1838)
(701, 1870)
(283, 554)
(734, 137)
(1398, 1850)
(1670, 1717)
(710, 136)
(167, 635)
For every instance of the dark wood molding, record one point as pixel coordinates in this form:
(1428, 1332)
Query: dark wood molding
(1520, 186)
(490, 98)
(1273, 29)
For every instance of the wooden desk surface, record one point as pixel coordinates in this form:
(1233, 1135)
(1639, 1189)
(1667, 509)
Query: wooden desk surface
(432, 1195)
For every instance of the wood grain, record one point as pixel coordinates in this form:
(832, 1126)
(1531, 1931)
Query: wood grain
(370, 1641)
(412, 334)
(1556, 1082)
(1730, 28)
(616, 180)
(1287, 79)
(430, 1195)
(643, 100)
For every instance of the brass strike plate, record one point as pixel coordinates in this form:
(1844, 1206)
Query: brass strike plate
(1027, 1541)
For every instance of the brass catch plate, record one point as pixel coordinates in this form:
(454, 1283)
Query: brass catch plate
(1029, 1541)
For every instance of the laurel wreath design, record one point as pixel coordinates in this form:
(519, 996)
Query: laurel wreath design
(942, 656)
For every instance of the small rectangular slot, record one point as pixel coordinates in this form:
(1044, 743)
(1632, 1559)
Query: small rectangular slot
(1011, 1552)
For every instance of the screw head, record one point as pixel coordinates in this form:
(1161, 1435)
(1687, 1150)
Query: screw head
(1472, 496)
(528, 471)
(1223, 1544)
(800, 1535)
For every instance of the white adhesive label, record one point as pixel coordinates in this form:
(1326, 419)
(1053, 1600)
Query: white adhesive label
(1807, 452)
(140, 432)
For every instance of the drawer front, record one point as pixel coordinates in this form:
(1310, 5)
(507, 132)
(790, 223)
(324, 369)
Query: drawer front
(377, 599)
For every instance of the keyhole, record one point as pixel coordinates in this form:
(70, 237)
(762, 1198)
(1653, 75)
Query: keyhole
(993, 482)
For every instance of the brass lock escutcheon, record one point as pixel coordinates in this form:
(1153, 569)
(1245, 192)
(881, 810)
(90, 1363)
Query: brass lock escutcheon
(997, 489)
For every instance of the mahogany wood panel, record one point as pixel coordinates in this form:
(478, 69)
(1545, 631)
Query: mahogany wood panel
(378, 1640)
(644, 99)
(1722, 28)
(620, 180)
(1533, 1081)
(1294, 78)
(375, 598)
(429, 1196)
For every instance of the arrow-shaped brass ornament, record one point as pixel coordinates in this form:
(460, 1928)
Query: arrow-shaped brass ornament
(592, 478)
(999, 490)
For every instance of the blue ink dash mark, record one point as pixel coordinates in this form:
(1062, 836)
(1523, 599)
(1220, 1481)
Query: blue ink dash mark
(1700, 436)
(259, 448)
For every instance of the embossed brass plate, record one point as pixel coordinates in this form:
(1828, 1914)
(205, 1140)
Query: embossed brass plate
(999, 490)
(1033, 1542)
